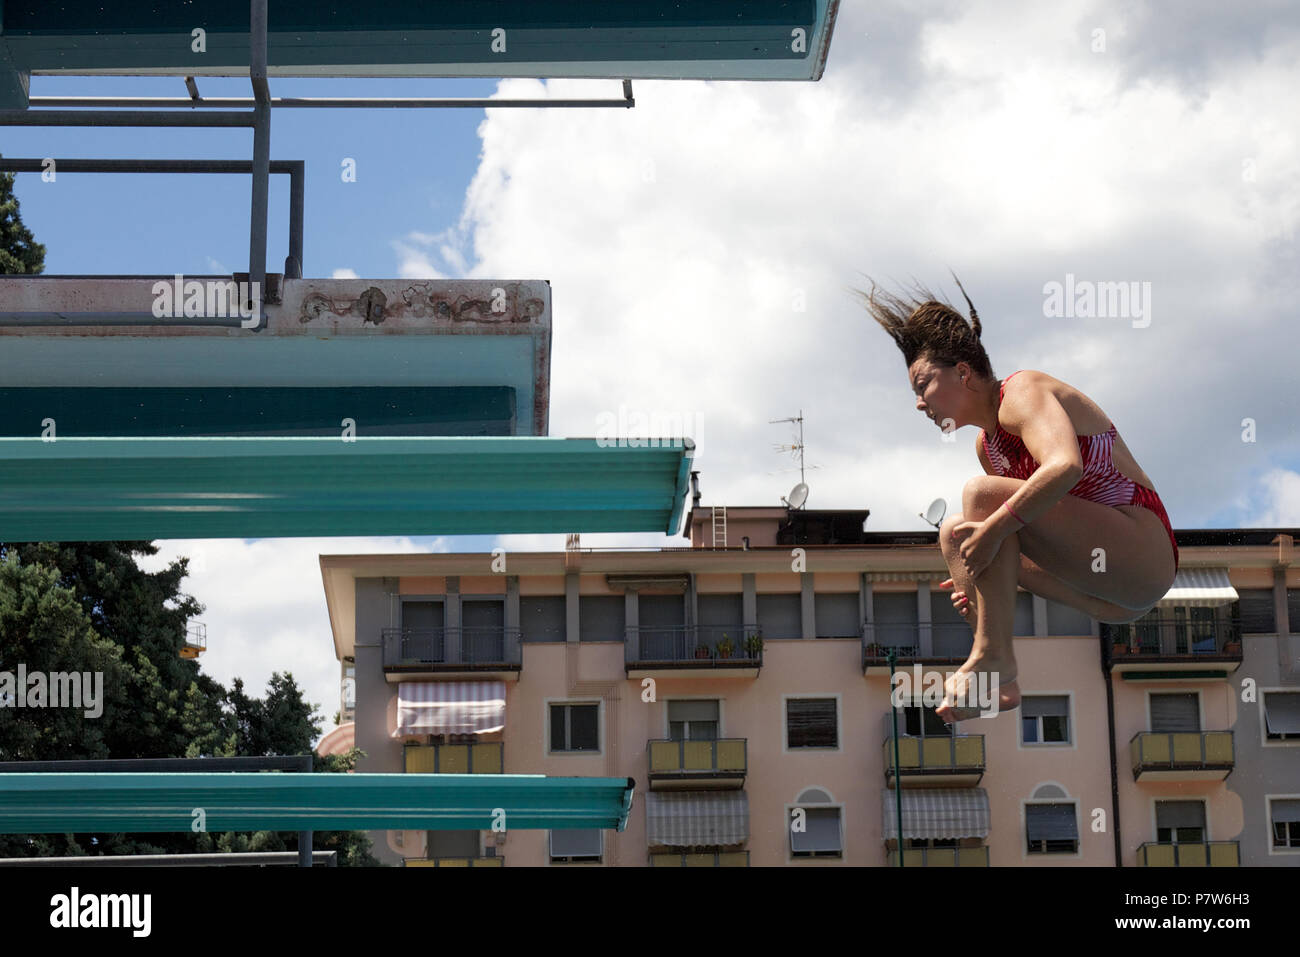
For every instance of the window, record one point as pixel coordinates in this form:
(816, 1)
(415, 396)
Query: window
(1051, 829)
(920, 721)
(452, 844)
(574, 727)
(693, 720)
(1285, 814)
(1064, 620)
(601, 618)
(811, 723)
(580, 844)
(1282, 715)
(1023, 626)
(895, 622)
(780, 616)
(1045, 719)
(837, 616)
(482, 628)
(821, 834)
(543, 618)
(1254, 606)
(1180, 822)
(1175, 712)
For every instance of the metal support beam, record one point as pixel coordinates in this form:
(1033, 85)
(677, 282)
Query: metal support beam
(326, 102)
(296, 170)
(123, 118)
(261, 154)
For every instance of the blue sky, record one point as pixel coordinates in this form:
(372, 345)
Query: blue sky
(701, 247)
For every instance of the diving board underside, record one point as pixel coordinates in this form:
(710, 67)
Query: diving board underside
(633, 39)
(104, 489)
(167, 802)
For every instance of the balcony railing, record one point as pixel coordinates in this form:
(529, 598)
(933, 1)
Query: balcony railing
(724, 761)
(1190, 753)
(487, 757)
(960, 754)
(454, 862)
(1203, 854)
(447, 648)
(938, 642)
(196, 639)
(941, 857)
(1169, 636)
(704, 646)
(706, 859)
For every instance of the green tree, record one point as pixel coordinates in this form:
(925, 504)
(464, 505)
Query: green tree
(89, 607)
(19, 251)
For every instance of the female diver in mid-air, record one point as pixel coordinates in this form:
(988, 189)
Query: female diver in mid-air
(1063, 508)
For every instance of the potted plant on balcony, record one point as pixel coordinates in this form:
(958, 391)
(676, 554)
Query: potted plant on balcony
(701, 651)
(753, 645)
(725, 647)
(875, 651)
(1120, 647)
(1232, 646)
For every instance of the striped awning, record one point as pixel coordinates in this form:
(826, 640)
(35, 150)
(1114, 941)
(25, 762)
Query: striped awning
(937, 813)
(1201, 587)
(450, 707)
(697, 818)
(1282, 712)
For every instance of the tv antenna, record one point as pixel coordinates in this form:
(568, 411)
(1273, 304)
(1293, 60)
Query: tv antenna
(799, 494)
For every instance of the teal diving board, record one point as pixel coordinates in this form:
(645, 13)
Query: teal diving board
(135, 488)
(651, 39)
(58, 803)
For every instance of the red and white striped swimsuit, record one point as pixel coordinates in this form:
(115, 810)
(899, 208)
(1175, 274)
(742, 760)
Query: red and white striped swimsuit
(1101, 482)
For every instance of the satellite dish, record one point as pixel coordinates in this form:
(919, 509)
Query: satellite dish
(798, 495)
(934, 514)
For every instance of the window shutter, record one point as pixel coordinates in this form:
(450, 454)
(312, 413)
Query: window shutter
(1175, 712)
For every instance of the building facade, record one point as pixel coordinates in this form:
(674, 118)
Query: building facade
(744, 683)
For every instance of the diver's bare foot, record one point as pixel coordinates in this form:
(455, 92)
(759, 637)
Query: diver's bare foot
(962, 685)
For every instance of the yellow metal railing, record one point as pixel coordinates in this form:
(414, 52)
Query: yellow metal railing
(454, 862)
(1203, 854)
(706, 859)
(956, 752)
(481, 758)
(942, 857)
(1176, 750)
(723, 756)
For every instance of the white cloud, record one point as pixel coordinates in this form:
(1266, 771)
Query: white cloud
(344, 273)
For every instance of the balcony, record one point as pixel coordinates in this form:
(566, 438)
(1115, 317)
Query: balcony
(941, 857)
(947, 761)
(1204, 854)
(697, 765)
(196, 639)
(706, 859)
(946, 644)
(486, 757)
(694, 651)
(1181, 755)
(1171, 646)
(454, 862)
(471, 652)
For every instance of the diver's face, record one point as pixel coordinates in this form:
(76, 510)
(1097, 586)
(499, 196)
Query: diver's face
(938, 391)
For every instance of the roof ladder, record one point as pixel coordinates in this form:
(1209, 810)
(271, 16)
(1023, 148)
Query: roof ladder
(719, 526)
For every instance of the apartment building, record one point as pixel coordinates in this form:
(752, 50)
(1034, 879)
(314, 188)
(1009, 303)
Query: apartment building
(743, 681)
